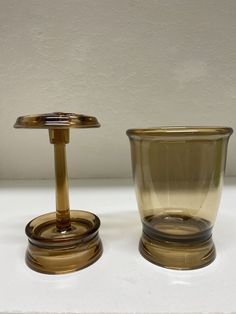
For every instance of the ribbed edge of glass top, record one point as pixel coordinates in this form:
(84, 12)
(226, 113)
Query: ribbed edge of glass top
(181, 131)
(56, 120)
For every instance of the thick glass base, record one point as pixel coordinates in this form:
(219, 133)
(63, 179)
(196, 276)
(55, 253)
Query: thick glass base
(175, 242)
(52, 252)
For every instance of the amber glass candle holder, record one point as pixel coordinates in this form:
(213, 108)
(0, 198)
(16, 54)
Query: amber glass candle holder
(178, 174)
(66, 240)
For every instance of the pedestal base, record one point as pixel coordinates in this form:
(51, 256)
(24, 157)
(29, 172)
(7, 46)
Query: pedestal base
(53, 252)
(177, 255)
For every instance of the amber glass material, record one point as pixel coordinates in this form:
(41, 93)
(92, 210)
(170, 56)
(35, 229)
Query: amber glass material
(178, 174)
(66, 240)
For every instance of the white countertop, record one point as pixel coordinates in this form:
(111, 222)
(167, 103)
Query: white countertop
(121, 281)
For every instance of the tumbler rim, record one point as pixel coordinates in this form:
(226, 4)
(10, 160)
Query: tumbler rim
(181, 131)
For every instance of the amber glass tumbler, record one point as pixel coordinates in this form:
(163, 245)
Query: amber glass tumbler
(178, 174)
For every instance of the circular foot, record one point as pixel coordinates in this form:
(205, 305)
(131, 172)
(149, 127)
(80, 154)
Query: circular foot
(53, 252)
(177, 255)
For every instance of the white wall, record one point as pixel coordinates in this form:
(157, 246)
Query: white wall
(130, 63)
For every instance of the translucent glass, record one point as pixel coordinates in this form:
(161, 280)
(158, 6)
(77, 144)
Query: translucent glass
(67, 240)
(178, 174)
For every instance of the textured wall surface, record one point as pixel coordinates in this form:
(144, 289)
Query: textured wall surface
(130, 63)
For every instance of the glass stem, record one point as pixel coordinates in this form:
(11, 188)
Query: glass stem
(60, 137)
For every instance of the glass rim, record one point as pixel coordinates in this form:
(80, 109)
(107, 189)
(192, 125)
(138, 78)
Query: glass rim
(56, 120)
(179, 131)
